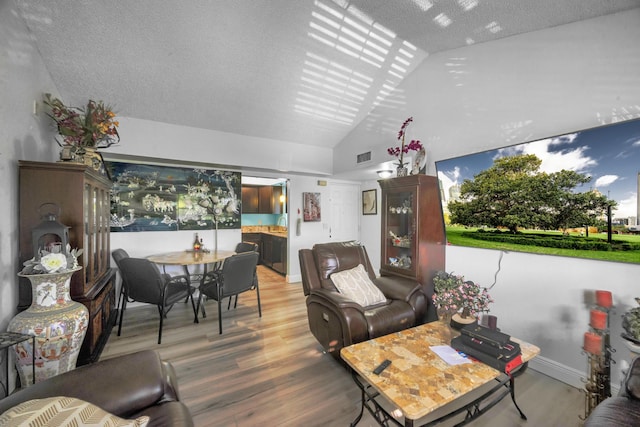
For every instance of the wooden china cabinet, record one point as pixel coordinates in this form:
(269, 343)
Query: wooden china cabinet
(413, 235)
(83, 198)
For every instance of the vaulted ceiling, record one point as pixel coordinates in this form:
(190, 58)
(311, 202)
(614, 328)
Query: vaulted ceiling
(304, 71)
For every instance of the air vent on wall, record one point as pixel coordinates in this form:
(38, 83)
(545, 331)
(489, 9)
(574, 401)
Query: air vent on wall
(364, 157)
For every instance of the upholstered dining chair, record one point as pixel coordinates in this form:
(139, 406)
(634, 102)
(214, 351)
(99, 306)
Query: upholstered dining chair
(118, 255)
(246, 247)
(144, 283)
(243, 247)
(237, 275)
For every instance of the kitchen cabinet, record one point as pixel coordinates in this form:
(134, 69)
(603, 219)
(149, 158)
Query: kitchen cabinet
(84, 201)
(413, 235)
(274, 252)
(250, 199)
(262, 200)
(279, 254)
(267, 250)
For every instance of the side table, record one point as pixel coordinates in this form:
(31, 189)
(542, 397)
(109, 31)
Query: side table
(7, 339)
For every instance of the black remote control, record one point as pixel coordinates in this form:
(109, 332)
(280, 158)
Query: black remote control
(381, 367)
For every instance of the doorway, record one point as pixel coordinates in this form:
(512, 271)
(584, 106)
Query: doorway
(265, 219)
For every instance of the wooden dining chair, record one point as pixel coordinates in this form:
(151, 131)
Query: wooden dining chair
(236, 276)
(144, 283)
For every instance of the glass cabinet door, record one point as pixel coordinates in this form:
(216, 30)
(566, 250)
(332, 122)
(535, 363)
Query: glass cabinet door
(400, 231)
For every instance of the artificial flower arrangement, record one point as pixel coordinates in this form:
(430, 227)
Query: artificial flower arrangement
(94, 126)
(414, 145)
(53, 261)
(455, 295)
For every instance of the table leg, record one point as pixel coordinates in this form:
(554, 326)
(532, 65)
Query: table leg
(33, 358)
(512, 390)
(359, 417)
(6, 362)
(188, 274)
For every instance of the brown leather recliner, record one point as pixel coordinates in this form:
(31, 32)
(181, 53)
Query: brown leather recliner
(128, 386)
(338, 322)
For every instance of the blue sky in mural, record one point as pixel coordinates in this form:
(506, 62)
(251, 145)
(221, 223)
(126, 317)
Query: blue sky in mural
(610, 155)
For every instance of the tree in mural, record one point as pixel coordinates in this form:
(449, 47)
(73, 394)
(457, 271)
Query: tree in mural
(513, 193)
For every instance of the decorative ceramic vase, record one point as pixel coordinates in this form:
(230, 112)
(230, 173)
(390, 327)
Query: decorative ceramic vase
(401, 171)
(58, 323)
(88, 156)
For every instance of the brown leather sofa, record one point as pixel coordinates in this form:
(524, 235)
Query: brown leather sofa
(336, 321)
(128, 386)
(622, 410)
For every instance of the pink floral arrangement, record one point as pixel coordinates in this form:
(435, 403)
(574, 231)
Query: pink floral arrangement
(455, 295)
(400, 151)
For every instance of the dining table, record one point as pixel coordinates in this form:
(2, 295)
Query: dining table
(188, 258)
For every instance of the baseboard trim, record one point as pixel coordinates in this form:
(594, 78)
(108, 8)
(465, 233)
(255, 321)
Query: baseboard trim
(294, 278)
(563, 373)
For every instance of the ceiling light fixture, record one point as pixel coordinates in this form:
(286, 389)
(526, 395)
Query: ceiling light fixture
(385, 173)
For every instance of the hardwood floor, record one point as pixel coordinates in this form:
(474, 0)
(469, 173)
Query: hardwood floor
(270, 371)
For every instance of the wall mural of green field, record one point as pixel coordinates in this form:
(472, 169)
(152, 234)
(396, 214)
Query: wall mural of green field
(570, 195)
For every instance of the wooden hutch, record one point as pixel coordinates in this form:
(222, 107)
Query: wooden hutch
(413, 234)
(84, 201)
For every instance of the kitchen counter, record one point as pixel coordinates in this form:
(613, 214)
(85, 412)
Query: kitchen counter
(276, 233)
(273, 230)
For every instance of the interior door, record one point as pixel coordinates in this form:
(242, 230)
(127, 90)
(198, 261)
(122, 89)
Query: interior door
(345, 214)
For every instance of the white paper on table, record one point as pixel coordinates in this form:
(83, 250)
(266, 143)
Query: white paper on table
(449, 355)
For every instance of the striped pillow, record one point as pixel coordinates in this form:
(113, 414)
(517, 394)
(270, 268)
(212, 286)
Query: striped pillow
(356, 285)
(65, 412)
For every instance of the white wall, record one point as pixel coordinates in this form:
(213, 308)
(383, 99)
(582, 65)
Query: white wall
(162, 141)
(370, 226)
(23, 135)
(146, 139)
(515, 90)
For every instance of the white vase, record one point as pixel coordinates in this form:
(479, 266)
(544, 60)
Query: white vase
(58, 323)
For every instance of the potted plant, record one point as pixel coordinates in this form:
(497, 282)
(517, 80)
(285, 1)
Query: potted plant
(414, 145)
(458, 299)
(631, 324)
(83, 130)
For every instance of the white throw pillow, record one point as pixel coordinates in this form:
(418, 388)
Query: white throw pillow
(65, 412)
(356, 285)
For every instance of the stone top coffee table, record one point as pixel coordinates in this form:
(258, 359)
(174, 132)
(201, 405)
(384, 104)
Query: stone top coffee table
(418, 382)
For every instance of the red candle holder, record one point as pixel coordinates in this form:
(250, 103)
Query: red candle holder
(598, 319)
(593, 343)
(604, 299)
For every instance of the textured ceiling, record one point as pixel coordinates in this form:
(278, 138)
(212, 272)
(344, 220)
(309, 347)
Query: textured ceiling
(302, 71)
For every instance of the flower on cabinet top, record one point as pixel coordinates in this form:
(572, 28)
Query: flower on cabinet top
(413, 145)
(53, 261)
(93, 126)
(455, 295)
